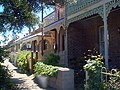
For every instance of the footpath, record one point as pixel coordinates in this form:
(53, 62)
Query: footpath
(23, 81)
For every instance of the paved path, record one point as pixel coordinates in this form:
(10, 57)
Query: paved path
(23, 81)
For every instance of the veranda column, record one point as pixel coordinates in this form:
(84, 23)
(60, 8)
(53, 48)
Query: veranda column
(31, 63)
(66, 47)
(66, 36)
(106, 37)
(58, 43)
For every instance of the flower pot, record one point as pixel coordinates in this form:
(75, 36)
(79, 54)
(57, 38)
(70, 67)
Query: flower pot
(52, 82)
(42, 81)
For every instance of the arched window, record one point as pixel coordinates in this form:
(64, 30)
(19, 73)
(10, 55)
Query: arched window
(24, 46)
(46, 44)
(28, 46)
(61, 39)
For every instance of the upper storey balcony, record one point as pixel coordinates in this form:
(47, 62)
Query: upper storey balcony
(79, 5)
(54, 17)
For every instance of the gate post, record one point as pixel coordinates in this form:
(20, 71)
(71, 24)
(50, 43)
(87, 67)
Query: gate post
(31, 63)
(86, 77)
(103, 72)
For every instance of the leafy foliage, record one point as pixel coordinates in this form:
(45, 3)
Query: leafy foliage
(20, 13)
(51, 59)
(114, 81)
(16, 15)
(93, 67)
(22, 60)
(3, 53)
(6, 53)
(5, 74)
(5, 81)
(45, 70)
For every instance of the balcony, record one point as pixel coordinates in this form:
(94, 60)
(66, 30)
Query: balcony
(53, 17)
(79, 5)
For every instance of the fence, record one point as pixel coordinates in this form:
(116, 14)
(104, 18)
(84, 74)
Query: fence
(111, 78)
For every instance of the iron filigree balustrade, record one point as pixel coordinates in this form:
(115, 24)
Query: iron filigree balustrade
(80, 5)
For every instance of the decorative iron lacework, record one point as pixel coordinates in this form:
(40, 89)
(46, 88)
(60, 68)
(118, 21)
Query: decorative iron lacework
(110, 5)
(98, 10)
(79, 5)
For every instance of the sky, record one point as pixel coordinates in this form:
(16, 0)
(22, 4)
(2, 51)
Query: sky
(25, 30)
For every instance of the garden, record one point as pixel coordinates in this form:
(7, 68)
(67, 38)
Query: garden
(97, 76)
(94, 64)
(47, 73)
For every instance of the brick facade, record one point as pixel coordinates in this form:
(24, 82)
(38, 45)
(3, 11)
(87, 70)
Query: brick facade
(82, 36)
(114, 38)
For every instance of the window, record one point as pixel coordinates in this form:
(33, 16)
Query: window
(46, 45)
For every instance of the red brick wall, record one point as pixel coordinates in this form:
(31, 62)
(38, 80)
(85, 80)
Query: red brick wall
(82, 36)
(75, 42)
(114, 38)
(92, 32)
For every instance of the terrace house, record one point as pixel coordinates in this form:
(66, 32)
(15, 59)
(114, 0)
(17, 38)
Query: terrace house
(94, 24)
(53, 37)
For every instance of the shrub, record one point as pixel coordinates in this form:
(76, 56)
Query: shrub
(51, 59)
(6, 53)
(5, 74)
(114, 81)
(1, 54)
(93, 67)
(5, 81)
(45, 70)
(22, 61)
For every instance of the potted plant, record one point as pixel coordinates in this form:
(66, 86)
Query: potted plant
(43, 72)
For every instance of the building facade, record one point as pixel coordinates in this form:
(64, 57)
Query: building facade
(53, 37)
(81, 26)
(94, 24)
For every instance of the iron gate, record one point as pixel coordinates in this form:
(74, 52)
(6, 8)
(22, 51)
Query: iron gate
(110, 78)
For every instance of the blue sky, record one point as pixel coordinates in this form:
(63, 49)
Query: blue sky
(1, 9)
(25, 30)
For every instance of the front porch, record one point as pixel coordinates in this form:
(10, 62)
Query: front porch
(89, 34)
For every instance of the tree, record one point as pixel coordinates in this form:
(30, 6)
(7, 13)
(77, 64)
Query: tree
(20, 13)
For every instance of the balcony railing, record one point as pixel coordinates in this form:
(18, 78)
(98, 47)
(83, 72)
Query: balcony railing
(79, 5)
(53, 17)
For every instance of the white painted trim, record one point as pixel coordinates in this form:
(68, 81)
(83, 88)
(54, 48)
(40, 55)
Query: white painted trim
(106, 37)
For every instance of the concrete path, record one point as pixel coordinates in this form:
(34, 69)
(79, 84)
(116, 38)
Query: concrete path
(23, 81)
